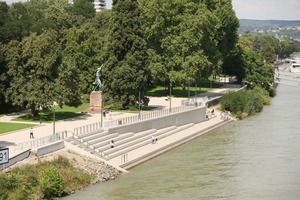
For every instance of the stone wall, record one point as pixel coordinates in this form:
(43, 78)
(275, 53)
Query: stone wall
(177, 119)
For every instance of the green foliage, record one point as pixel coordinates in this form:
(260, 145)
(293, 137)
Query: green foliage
(51, 182)
(46, 179)
(242, 103)
(125, 72)
(264, 94)
(7, 184)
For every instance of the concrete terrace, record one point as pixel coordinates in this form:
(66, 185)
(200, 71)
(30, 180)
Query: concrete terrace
(124, 154)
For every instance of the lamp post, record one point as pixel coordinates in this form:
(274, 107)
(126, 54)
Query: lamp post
(53, 121)
(139, 105)
(196, 95)
(102, 113)
(170, 97)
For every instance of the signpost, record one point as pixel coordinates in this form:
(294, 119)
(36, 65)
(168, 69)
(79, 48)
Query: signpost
(4, 155)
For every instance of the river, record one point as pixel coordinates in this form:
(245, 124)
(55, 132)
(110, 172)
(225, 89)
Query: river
(253, 159)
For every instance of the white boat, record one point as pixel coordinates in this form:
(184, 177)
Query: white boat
(295, 67)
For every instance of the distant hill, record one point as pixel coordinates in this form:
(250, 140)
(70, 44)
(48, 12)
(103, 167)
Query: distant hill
(251, 22)
(280, 28)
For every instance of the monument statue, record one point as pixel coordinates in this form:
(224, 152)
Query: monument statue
(97, 82)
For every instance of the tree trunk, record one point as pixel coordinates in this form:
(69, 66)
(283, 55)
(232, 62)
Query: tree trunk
(34, 111)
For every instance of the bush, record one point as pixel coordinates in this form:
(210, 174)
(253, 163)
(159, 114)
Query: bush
(7, 184)
(242, 103)
(264, 94)
(51, 182)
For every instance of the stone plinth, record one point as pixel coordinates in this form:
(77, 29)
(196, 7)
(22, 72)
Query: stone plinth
(95, 102)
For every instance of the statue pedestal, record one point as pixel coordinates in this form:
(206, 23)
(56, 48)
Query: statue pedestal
(95, 102)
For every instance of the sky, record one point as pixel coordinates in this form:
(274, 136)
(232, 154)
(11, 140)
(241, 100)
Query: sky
(256, 9)
(267, 9)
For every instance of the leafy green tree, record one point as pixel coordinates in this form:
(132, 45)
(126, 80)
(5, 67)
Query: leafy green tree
(286, 47)
(233, 64)
(3, 19)
(57, 15)
(257, 72)
(181, 38)
(125, 67)
(38, 78)
(227, 32)
(83, 45)
(84, 8)
(33, 69)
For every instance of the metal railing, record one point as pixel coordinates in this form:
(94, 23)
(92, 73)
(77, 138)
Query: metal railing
(87, 128)
(148, 115)
(37, 142)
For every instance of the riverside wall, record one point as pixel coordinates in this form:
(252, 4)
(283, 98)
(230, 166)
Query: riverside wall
(196, 115)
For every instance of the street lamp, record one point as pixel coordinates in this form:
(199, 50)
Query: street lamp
(139, 105)
(53, 121)
(170, 97)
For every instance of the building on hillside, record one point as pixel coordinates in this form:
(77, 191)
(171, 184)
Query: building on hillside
(99, 5)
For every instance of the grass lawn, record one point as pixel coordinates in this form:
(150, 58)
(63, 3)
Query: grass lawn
(8, 127)
(178, 91)
(46, 115)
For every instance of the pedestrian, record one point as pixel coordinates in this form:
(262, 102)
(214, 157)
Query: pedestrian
(153, 139)
(112, 144)
(31, 133)
(92, 109)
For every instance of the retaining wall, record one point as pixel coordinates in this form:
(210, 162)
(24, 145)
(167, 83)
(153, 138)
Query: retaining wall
(50, 148)
(17, 158)
(177, 119)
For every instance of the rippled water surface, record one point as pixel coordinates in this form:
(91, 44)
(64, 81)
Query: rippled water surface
(257, 158)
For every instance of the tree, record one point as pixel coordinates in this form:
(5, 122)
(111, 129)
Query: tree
(257, 72)
(227, 32)
(83, 45)
(38, 78)
(125, 67)
(181, 38)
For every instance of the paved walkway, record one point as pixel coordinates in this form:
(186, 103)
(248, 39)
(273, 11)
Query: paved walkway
(46, 129)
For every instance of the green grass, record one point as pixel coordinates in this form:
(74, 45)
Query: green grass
(178, 91)
(46, 115)
(8, 127)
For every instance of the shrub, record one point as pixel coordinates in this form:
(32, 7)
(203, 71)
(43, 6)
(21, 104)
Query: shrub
(264, 94)
(61, 162)
(7, 184)
(242, 103)
(51, 182)
(272, 92)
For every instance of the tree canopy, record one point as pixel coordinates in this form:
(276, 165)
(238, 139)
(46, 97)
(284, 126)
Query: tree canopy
(50, 50)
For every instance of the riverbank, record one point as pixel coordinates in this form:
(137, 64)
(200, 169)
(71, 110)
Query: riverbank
(110, 170)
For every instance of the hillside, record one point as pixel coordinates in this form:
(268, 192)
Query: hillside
(280, 28)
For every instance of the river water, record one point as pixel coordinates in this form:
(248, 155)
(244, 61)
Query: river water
(254, 159)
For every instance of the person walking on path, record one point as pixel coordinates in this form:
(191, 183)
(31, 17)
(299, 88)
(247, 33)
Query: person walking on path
(31, 133)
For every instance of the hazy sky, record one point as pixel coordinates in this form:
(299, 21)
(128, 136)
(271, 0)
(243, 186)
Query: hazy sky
(256, 9)
(267, 9)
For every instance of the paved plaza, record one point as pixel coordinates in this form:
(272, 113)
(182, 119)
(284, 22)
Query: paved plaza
(10, 140)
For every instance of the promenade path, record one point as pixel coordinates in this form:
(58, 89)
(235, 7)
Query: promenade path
(9, 140)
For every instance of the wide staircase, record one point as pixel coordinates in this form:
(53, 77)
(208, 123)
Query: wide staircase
(98, 142)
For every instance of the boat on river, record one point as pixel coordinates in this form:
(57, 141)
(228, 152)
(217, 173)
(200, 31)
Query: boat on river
(295, 67)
